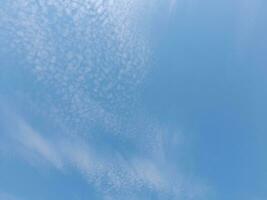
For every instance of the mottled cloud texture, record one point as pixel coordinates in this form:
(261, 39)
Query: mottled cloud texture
(87, 60)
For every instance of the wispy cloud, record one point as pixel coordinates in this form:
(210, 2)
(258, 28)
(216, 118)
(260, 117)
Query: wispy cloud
(6, 196)
(92, 69)
(172, 6)
(111, 173)
(33, 141)
(25, 140)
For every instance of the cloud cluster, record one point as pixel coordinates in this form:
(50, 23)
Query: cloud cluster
(89, 55)
(113, 173)
(88, 59)
(81, 45)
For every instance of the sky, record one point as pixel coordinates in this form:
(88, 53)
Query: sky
(132, 99)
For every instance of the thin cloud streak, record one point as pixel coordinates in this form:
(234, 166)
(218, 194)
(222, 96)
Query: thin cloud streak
(172, 6)
(33, 141)
(6, 196)
(111, 173)
(23, 139)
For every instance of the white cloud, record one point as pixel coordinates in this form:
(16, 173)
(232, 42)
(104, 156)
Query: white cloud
(113, 172)
(172, 6)
(19, 137)
(95, 66)
(33, 141)
(6, 196)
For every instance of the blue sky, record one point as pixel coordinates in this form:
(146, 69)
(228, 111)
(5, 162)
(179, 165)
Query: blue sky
(126, 99)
